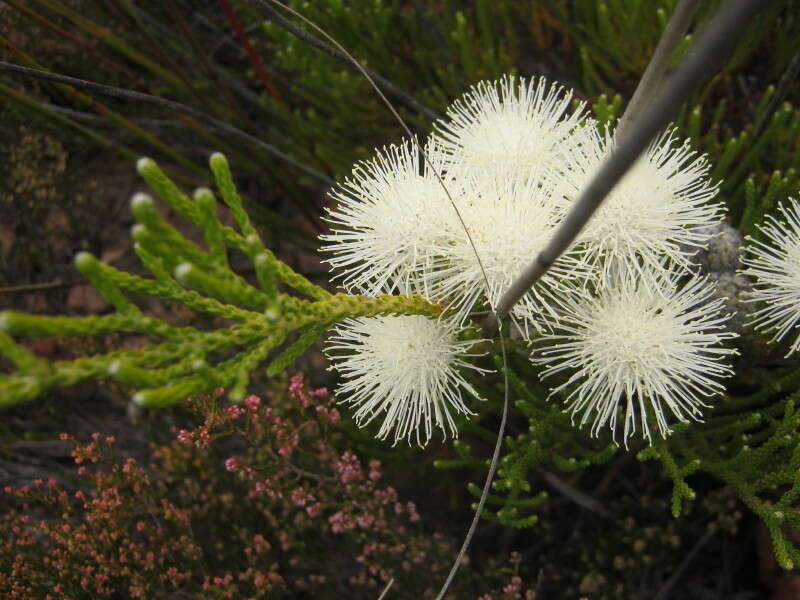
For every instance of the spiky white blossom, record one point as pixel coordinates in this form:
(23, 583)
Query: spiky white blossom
(511, 126)
(514, 156)
(661, 209)
(387, 221)
(404, 369)
(505, 222)
(640, 344)
(775, 266)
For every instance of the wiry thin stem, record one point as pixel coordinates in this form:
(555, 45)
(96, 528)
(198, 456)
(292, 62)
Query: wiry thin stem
(338, 53)
(653, 75)
(577, 496)
(705, 57)
(501, 431)
(200, 55)
(489, 477)
(386, 589)
(116, 92)
(259, 69)
(667, 588)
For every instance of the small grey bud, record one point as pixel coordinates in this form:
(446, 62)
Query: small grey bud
(723, 252)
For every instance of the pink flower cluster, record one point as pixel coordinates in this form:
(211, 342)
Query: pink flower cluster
(257, 500)
(306, 398)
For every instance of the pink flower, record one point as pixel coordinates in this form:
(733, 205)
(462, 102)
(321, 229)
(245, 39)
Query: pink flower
(234, 411)
(252, 402)
(296, 384)
(365, 521)
(300, 496)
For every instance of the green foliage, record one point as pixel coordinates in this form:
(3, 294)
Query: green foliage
(614, 39)
(756, 167)
(286, 92)
(750, 443)
(186, 361)
(547, 438)
(432, 51)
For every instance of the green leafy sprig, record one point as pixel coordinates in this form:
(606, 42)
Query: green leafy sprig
(186, 361)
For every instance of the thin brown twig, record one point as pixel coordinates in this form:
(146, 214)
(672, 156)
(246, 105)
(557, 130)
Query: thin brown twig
(501, 338)
(37, 287)
(205, 63)
(259, 69)
(575, 495)
(666, 589)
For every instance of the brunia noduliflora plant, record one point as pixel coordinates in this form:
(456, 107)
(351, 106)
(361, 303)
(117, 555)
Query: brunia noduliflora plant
(642, 342)
(623, 328)
(406, 366)
(514, 157)
(511, 156)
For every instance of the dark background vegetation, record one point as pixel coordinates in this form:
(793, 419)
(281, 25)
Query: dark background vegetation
(66, 174)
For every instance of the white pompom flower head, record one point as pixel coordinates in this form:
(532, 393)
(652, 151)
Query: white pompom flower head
(511, 126)
(662, 209)
(388, 220)
(639, 347)
(405, 369)
(774, 264)
(505, 221)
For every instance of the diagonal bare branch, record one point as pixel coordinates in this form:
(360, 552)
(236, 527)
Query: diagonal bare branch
(705, 58)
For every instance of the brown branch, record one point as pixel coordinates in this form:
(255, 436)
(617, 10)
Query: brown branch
(37, 287)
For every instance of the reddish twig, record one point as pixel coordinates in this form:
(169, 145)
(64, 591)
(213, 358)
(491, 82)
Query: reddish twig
(248, 48)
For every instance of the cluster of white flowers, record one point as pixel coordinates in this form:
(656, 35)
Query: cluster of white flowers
(621, 322)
